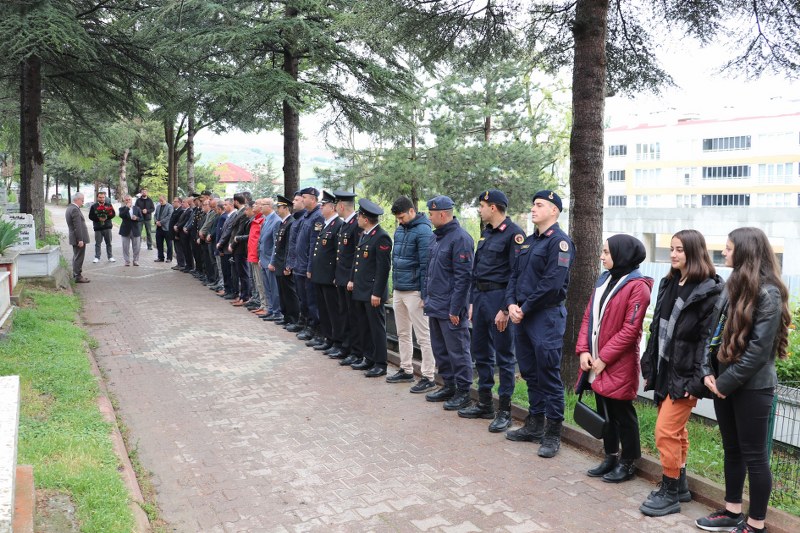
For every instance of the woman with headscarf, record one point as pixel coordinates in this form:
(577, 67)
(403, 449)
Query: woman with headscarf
(608, 346)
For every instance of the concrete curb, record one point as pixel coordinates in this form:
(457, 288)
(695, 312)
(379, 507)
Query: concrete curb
(703, 490)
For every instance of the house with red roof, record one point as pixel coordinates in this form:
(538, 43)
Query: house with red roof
(233, 178)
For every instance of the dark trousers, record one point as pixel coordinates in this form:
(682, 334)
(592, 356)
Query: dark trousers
(290, 307)
(197, 253)
(538, 341)
(622, 427)
(78, 253)
(743, 418)
(209, 264)
(162, 238)
(330, 321)
(300, 291)
(350, 340)
(149, 230)
(450, 345)
(227, 275)
(372, 326)
(491, 347)
(99, 237)
(186, 246)
(240, 264)
(310, 294)
(179, 257)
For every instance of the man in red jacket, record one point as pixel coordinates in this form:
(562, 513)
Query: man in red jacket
(252, 258)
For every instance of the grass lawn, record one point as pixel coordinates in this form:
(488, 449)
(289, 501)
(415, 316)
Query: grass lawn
(705, 448)
(62, 433)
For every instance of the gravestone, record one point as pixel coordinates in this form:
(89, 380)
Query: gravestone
(27, 237)
(9, 423)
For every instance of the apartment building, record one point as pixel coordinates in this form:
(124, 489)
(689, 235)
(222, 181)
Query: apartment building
(710, 174)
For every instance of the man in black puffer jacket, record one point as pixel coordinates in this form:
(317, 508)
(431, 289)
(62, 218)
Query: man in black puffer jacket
(101, 213)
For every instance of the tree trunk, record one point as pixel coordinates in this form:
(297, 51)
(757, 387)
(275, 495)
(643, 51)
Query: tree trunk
(291, 123)
(169, 138)
(122, 190)
(414, 188)
(190, 184)
(586, 166)
(31, 198)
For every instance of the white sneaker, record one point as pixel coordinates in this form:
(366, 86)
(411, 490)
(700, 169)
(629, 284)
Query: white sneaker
(96, 260)
(112, 260)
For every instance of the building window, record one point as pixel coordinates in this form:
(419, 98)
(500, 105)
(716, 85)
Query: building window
(617, 150)
(617, 200)
(641, 200)
(647, 177)
(717, 144)
(648, 152)
(780, 173)
(775, 199)
(723, 200)
(726, 172)
(687, 200)
(616, 175)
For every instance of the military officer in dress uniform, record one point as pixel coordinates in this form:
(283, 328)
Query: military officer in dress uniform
(369, 282)
(323, 276)
(447, 304)
(346, 240)
(290, 306)
(492, 334)
(535, 297)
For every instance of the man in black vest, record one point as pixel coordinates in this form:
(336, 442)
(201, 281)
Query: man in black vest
(369, 282)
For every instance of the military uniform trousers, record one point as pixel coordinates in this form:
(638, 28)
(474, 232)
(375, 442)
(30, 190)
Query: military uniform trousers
(491, 347)
(308, 300)
(539, 342)
(330, 321)
(371, 323)
(451, 350)
(290, 306)
(197, 253)
(351, 343)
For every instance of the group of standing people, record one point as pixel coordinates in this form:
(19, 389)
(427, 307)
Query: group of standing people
(319, 267)
(708, 338)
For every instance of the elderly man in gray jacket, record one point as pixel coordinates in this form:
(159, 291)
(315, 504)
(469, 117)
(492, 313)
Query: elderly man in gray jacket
(78, 236)
(162, 217)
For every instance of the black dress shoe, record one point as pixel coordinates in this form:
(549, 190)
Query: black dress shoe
(622, 472)
(314, 341)
(330, 350)
(364, 364)
(305, 335)
(282, 322)
(324, 347)
(441, 395)
(158, 261)
(349, 360)
(229, 297)
(375, 372)
(293, 328)
(338, 354)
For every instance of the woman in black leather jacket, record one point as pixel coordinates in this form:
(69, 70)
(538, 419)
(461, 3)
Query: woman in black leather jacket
(672, 364)
(751, 327)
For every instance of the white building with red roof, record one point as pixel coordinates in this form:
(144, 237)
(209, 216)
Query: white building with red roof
(233, 178)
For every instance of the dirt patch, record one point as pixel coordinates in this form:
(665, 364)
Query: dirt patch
(55, 513)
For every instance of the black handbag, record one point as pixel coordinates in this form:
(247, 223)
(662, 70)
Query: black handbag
(589, 419)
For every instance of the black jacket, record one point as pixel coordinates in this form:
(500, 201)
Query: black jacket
(129, 227)
(240, 232)
(323, 259)
(173, 220)
(373, 260)
(755, 368)
(346, 242)
(97, 224)
(685, 343)
(145, 203)
(282, 244)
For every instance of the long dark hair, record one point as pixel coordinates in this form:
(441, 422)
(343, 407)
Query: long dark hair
(698, 262)
(754, 265)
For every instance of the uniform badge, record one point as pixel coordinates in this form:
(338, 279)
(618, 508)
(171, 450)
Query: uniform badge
(318, 226)
(366, 254)
(549, 232)
(550, 197)
(485, 196)
(563, 246)
(518, 238)
(383, 247)
(502, 227)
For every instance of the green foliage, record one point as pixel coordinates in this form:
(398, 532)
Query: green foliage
(155, 178)
(9, 234)
(789, 369)
(62, 433)
(266, 177)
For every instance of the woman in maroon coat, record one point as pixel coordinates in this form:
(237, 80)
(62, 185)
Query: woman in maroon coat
(608, 346)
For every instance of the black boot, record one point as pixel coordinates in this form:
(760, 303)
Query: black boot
(459, 400)
(683, 487)
(532, 431)
(483, 408)
(551, 441)
(605, 467)
(622, 472)
(441, 395)
(502, 421)
(664, 501)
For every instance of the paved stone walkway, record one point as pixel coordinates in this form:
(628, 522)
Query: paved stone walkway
(246, 429)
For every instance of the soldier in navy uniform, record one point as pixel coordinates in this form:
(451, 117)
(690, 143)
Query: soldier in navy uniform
(323, 276)
(346, 240)
(369, 282)
(535, 297)
(299, 211)
(290, 307)
(447, 304)
(312, 223)
(492, 335)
